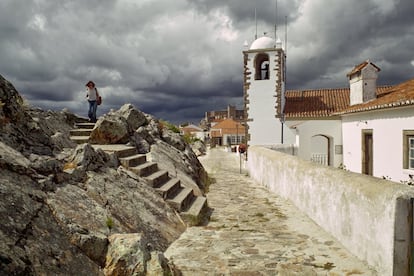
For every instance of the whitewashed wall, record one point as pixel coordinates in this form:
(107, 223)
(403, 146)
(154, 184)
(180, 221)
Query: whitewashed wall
(307, 129)
(367, 215)
(387, 129)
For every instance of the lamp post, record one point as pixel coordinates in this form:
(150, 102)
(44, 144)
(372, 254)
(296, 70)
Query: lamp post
(238, 143)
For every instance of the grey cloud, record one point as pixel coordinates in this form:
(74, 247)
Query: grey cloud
(345, 34)
(179, 59)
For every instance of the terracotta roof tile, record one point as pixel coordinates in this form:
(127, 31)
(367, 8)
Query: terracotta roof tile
(315, 103)
(227, 126)
(394, 96)
(361, 66)
(322, 102)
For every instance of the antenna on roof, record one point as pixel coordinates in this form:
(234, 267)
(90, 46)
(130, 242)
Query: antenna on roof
(286, 36)
(255, 20)
(276, 20)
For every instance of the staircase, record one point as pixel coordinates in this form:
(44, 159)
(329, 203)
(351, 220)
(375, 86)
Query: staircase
(81, 133)
(192, 208)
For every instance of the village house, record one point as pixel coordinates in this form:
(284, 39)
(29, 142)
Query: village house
(194, 131)
(227, 132)
(213, 117)
(378, 132)
(363, 128)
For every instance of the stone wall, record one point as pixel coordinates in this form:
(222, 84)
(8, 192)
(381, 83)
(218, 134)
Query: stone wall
(371, 217)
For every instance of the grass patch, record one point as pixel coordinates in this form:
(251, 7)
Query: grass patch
(109, 223)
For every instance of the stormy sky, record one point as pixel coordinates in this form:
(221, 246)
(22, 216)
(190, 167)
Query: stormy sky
(178, 59)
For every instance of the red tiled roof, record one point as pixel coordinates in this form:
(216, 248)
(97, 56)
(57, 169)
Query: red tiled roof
(394, 96)
(315, 103)
(227, 126)
(191, 128)
(321, 102)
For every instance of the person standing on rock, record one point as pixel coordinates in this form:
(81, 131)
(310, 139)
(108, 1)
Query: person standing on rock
(92, 95)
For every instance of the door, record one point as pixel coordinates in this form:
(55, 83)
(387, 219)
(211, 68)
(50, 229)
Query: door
(367, 152)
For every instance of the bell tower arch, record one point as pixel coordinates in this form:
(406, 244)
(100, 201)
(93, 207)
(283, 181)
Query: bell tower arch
(264, 93)
(261, 66)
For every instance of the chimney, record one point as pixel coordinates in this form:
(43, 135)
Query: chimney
(363, 82)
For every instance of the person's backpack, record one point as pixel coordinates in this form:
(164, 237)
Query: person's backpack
(98, 98)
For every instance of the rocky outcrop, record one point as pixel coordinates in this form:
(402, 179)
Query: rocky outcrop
(165, 147)
(32, 131)
(69, 210)
(117, 127)
(181, 164)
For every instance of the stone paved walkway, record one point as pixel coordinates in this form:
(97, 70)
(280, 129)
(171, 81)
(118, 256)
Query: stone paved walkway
(253, 232)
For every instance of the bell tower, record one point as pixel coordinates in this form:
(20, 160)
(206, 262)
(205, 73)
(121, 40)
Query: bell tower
(264, 93)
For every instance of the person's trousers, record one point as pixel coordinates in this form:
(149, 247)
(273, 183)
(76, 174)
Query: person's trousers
(92, 111)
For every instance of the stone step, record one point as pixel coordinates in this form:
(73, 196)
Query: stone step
(157, 178)
(195, 212)
(169, 188)
(145, 170)
(120, 150)
(133, 160)
(85, 125)
(80, 139)
(80, 132)
(182, 200)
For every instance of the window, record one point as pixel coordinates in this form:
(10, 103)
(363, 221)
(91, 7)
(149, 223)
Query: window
(411, 152)
(235, 139)
(408, 149)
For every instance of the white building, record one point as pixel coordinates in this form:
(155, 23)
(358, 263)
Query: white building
(194, 131)
(365, 128)
(318, 131)
(362, 128)
(378, 130)
(264, 93)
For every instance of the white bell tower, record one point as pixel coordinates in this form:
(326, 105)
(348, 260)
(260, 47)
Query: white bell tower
(264, 93)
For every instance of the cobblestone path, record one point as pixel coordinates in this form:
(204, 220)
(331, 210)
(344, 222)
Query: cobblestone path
(254, 232)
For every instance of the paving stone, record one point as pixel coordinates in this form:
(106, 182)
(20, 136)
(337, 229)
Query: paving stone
(255, 232)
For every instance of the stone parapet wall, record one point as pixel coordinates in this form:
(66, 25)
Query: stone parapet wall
(371, 217)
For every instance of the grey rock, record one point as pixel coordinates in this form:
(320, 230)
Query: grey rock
(29, 130)
(110, 129)
(45, 165)
(12, 159)
(86, 158)
(127, 255)
(160, 265)
(173, 139)
(137, 140)
(95, 246)
(32, 243)
(133, 117)
(199, 148)
(11, 103)
(181, 164)
(60, 205)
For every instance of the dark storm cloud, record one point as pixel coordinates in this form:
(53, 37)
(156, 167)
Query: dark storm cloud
(328, 40)
(178, 59)
(269, 11)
